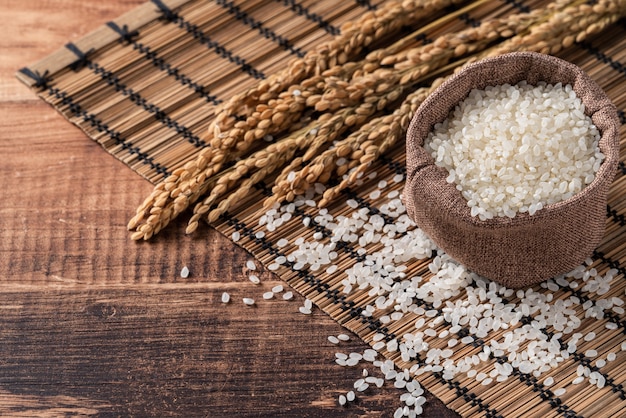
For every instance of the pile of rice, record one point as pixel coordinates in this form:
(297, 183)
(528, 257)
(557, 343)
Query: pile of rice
(515, 149)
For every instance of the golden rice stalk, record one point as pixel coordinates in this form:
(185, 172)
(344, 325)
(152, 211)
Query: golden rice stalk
(371, 27)
(564, 27)
(266, 161)
(349, 86)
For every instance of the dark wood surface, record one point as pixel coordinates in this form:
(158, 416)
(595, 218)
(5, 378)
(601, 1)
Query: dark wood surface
(92, 323)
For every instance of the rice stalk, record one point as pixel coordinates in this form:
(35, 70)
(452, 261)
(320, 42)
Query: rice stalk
(265, 162)
(355, 36)
(563, 28)
(357, 90)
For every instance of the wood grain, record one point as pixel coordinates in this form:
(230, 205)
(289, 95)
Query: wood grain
(93, 324)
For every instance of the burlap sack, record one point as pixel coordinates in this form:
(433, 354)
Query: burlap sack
(526, 249)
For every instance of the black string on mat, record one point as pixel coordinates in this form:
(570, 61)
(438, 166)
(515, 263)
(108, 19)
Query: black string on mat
(301, 10)
(112, 80)
(161, 64)
(41, 80)
(126, 36)
(117, 137)
(267, 33)
(206, 40)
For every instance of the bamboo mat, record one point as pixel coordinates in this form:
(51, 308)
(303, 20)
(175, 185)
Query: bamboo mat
(145, 87)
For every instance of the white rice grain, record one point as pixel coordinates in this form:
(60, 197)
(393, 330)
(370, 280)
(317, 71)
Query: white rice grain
(350, 396)
(545, 152)
(184, 272)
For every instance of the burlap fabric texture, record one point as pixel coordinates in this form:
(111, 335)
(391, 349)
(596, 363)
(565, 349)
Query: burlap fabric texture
(527, 249)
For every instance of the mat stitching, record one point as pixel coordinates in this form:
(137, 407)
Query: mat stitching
(206, 40)
(518, 5)
(423, 39)
(112, 80)
(254, 24)
(367, 5)
(617, 217)
(104, 128)
(301, 10)
(602, 57)
(612, 263)
(41, 80)
(126, 35)
(160, 63)
(468, 20)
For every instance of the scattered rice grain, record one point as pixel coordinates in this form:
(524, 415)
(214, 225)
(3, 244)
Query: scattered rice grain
(350, 396)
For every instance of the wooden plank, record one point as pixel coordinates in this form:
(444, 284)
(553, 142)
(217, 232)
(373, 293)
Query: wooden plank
(94, 324)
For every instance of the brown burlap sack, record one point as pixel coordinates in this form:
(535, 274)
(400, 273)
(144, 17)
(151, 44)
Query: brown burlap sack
(528, 248)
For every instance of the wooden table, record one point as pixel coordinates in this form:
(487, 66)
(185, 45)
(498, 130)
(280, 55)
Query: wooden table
(92, 323)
